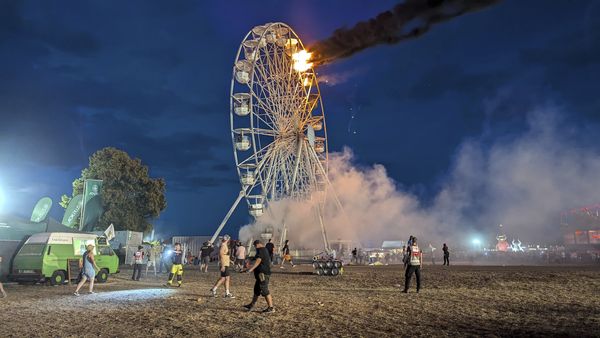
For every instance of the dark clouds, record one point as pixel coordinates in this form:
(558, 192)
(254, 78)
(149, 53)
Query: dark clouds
(15, 26)
(152, 78)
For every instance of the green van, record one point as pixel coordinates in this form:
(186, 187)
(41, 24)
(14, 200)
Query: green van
(44, 257)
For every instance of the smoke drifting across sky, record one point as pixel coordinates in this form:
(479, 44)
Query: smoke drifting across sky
(523, 184)
(409, 19)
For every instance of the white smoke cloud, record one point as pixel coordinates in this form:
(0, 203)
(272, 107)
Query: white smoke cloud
(523, 183)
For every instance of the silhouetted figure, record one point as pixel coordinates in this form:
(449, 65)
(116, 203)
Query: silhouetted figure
(446, 255)
(270, 249)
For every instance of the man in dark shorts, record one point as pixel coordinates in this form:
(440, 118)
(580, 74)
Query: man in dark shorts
(270, 249)
(224, 264)
(262, 274)
(205, 252)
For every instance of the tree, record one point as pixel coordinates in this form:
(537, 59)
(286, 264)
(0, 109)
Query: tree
(130, 197)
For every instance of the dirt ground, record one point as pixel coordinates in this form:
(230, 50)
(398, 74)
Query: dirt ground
(364, 302)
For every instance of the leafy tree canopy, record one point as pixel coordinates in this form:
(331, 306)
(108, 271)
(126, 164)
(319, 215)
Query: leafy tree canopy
(130, 197)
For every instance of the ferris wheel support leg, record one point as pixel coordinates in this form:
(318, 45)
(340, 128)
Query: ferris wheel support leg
(323, 232)
(283, 235)
(296, 164)
(335, 196)
(235, 204)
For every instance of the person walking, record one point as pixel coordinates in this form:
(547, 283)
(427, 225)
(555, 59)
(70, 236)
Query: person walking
(446, 255)
(414, 265)
(177, 267)
(138, 261)
(262, 274)
(240, 257)
(1, 286)
(224, 263)
(205, 252)
(286, 254)
(354, 256)
(270, 249)
(89, 267)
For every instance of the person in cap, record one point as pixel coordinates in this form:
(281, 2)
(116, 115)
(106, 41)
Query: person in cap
(262, 274)
(88, 269)
(224, 264)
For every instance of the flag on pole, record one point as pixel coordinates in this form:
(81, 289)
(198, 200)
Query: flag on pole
(110, 232)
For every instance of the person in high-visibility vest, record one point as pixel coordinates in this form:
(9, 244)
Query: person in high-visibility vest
(177, 268)
(415, 261)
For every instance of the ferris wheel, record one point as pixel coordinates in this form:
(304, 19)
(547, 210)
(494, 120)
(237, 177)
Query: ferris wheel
(277, 121)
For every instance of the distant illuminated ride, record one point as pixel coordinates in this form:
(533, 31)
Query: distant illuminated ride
(277, 121)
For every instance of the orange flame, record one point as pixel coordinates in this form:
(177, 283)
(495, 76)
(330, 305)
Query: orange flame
(301, 59)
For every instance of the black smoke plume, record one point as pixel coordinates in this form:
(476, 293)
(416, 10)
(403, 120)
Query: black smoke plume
(409, 19)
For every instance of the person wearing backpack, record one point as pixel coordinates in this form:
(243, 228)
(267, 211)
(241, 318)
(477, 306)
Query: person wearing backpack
(88, 269)
(138, 261)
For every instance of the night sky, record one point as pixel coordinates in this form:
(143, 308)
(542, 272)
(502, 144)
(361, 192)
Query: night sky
(152, 78)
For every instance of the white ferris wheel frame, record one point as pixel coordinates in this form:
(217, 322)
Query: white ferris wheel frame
(284, 124)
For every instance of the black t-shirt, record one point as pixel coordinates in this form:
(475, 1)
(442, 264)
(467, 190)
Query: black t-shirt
(270, 247)
(177, 257)
(286, 250)
(265, 262)
(206, 250)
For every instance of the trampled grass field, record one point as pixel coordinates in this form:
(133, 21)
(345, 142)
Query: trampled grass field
(364, 302)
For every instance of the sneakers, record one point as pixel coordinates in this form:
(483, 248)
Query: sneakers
(268, 310)
(91, 293)
(404, 291)
(76, 293)
(229, 295)
(248, 306)
(281, 267)
(213, 292)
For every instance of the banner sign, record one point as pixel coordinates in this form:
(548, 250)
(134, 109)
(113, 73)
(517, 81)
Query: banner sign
(73, 211)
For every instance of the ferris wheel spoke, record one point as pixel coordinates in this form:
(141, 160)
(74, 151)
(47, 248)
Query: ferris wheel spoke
(256, 157)
(266, 87)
